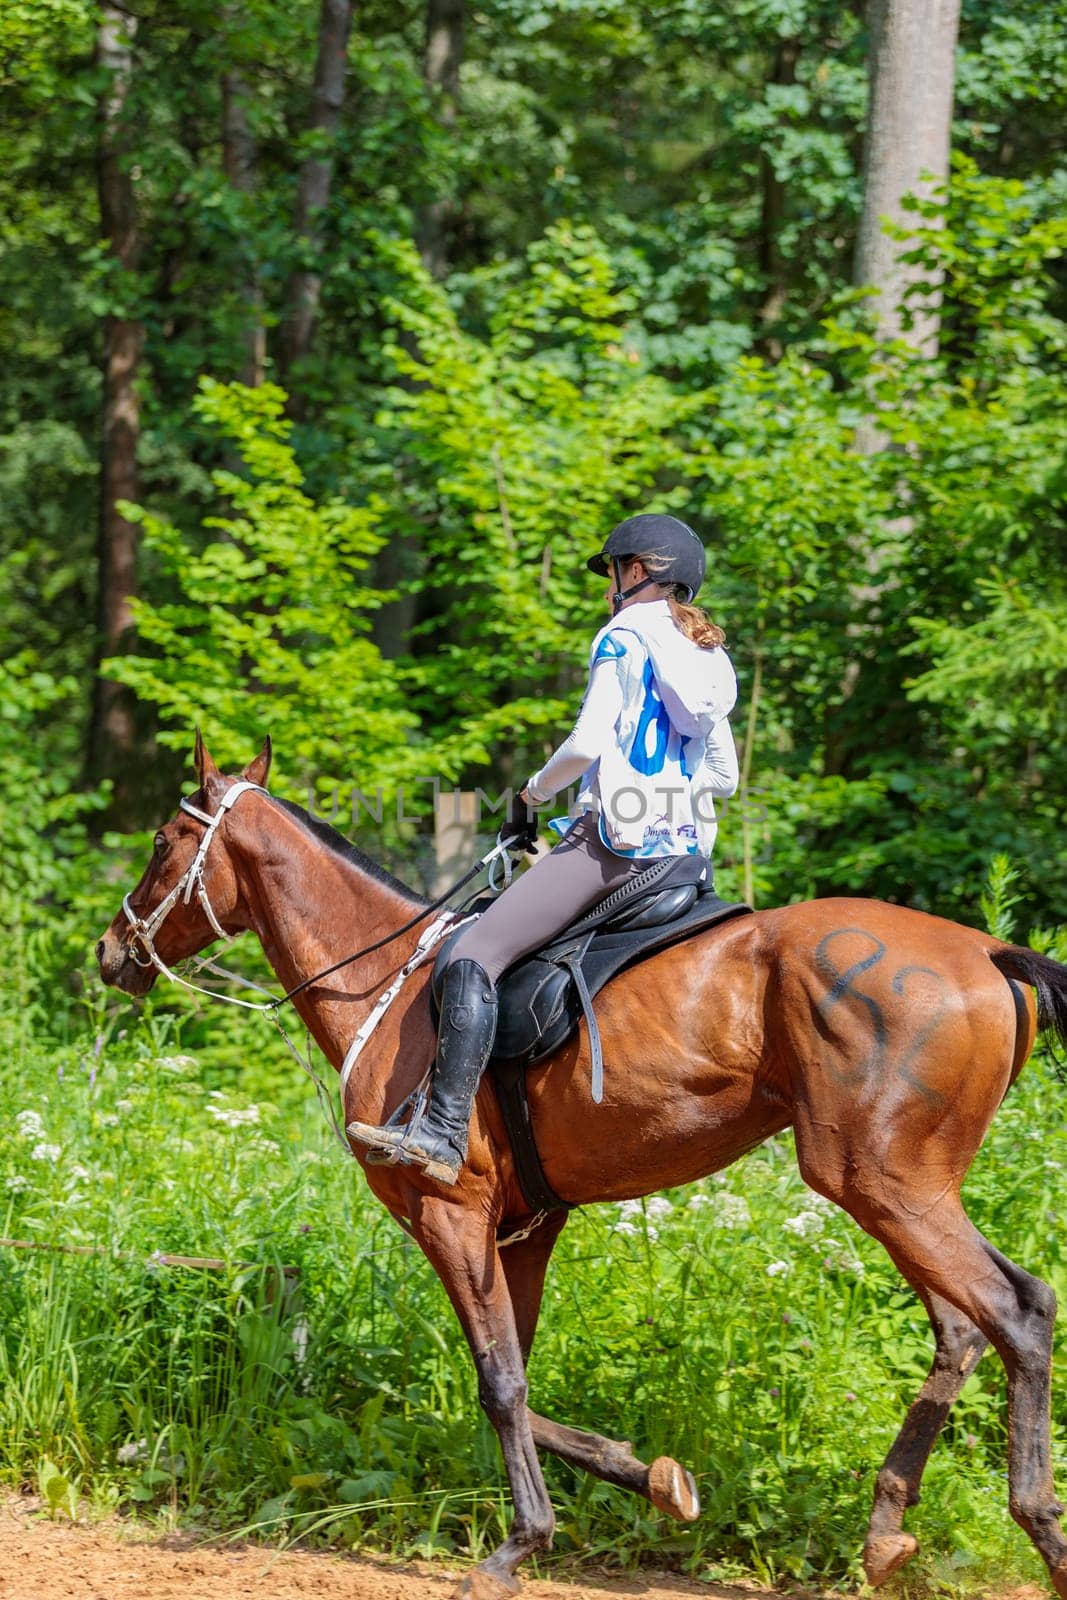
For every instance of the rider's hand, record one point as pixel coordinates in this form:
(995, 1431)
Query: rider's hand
(520, 830)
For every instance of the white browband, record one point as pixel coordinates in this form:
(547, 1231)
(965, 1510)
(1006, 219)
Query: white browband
(144, 929)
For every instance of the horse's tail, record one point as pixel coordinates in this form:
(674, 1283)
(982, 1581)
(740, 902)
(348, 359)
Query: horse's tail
(1048, 977)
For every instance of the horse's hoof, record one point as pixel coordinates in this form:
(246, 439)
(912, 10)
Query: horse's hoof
(478, 1585)
(1059, 1578)
(672, 1489)
(886, 1554)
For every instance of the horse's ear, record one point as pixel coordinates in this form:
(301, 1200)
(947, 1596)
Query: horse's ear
(206, 770)
(257, 771)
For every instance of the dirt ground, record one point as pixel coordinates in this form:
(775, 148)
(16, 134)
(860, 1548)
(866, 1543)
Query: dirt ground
(44, 1560)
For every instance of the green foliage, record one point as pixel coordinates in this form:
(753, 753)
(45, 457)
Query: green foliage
(528, 442)
(268, 633)
(49, 874)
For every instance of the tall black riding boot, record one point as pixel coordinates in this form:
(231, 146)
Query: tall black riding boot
(465, 1037)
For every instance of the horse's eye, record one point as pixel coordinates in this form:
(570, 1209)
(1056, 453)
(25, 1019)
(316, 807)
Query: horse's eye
(162, 844)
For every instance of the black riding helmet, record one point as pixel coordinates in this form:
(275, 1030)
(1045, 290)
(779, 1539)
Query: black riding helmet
(652, 533)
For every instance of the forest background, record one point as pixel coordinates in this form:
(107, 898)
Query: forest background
(336, 338)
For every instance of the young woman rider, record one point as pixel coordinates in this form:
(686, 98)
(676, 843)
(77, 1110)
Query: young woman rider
(654, 749)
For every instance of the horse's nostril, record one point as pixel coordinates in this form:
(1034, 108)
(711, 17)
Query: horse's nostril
(100, 950)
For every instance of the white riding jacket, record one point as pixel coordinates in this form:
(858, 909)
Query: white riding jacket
(652, 743)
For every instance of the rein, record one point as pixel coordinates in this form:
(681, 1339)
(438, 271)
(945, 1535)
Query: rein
(144, 930)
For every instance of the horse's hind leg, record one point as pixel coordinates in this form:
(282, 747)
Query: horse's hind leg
(665, 1483)
(959, 1347)
(938, 1249)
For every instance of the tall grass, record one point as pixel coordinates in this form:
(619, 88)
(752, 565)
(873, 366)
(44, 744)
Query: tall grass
(740, 1325)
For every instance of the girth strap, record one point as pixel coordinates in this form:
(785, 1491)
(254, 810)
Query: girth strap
(573, 964)
(509, 1081)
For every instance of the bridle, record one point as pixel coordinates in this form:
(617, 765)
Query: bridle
(143, 930)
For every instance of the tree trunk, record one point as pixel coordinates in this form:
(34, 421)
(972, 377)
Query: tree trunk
(445, 24)
(398, 563)
(909, 124)
(772, 215)
(112, 730)
(239, 159)
(316, 176)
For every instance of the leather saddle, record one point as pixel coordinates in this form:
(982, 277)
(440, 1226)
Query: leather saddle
(544, 996)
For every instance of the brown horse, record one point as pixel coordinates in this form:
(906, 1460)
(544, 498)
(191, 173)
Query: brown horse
(884, 1037)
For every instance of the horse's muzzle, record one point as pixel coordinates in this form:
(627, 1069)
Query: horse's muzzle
(119, 969)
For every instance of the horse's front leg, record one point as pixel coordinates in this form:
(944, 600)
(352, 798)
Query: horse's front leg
(459, 1242)
(665, 1483)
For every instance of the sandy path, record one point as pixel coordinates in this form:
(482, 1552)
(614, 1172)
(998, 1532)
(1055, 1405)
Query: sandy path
(44, 1560)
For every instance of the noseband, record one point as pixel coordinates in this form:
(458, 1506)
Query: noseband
(143, 930)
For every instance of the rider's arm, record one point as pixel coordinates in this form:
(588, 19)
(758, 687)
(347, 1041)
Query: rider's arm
(718, 772)
(591, 735)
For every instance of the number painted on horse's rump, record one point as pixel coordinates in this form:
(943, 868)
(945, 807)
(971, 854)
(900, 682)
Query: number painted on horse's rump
(843, 989)
(710, 1046)
(924, 1033)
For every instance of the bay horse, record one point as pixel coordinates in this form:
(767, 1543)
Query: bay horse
(884, 1037)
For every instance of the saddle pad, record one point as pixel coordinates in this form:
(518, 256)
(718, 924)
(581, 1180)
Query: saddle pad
(540, 1004)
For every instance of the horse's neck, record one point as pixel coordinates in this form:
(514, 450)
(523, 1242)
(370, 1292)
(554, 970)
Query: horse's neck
(311, 907)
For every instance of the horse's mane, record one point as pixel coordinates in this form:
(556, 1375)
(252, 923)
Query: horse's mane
(340, 846)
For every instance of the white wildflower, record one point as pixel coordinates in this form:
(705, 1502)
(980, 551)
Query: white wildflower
(631, 1208)
(108, 1119)
(78, 1171)
(123, 1105)
(779, 1269)
(731, 1210)
(128, 1454)
(233, 1117)
(658, 1206)
(17, 1183)
(624, 1225)
(695, 1202)
(29, 1124)
(804, 1224)
(176, 1064)
(46, 1152)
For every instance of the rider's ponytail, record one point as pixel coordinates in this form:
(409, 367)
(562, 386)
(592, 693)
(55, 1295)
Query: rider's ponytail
(690, 620)
(696, 624)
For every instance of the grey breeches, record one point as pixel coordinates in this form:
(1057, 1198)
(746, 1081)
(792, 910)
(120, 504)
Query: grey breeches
(542, 901)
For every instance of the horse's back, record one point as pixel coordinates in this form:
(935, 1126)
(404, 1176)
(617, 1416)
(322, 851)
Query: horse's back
(856, 1011)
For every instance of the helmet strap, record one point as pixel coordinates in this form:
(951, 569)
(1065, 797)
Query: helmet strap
(622, 595)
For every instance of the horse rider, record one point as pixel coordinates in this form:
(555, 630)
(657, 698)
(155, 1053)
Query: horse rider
(653, 747)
